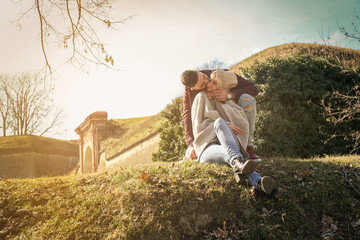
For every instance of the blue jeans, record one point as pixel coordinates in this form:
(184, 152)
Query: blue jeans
(248, 103)
(227, 150)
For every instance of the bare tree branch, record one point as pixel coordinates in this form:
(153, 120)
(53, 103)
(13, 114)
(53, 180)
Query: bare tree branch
(355, 34)
(42, 35)
(83, 20)
(213, 64)
(56, 121)
(4, 103)
(344, 108)
(350, 182)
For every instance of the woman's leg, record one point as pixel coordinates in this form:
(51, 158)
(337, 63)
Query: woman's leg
(227, 139)
(231, 145)
(215, 153)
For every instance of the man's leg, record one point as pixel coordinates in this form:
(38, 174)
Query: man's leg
(265, 184)
(215, 153)
(248, 103)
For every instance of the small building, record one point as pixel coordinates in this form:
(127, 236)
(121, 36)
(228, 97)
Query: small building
(96, 131)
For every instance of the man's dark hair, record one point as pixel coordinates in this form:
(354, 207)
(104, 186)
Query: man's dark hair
(189, 78)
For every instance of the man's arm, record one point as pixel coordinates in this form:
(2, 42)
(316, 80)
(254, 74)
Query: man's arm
(189, 137)
(243, 86)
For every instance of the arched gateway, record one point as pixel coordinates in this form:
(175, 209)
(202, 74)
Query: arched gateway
(91, 132)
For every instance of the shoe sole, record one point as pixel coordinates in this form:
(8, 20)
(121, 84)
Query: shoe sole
(255, 159)
(248, 167)
(267, 184)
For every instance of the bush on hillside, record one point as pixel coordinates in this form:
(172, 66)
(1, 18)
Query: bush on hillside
(290, 119)
(172, 144)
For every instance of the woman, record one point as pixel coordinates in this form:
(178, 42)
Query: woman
(222, 141)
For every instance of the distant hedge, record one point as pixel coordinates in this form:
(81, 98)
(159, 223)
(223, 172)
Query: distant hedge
(290, 119)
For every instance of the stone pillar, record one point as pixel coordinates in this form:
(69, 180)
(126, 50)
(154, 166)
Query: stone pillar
(91, 131)
(81, 154)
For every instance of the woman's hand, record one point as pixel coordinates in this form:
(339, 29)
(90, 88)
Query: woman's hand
(211, 95)
(236, 130)
(193, 154)
(221, 94)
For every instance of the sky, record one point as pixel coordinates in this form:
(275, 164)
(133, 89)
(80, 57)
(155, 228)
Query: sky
(164, 38)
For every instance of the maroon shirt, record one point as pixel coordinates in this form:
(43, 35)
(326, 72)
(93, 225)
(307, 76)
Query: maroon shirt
(243, 86)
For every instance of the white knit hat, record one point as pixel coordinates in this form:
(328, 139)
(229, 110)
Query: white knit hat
(226, 79)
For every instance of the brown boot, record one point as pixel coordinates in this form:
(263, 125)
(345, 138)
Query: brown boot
(253, 156)
(241, 179)
(241, 166)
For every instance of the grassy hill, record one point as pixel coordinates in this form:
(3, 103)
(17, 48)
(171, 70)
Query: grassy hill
(346, 57)
(187, 201)
(122, 133)
(37, 144)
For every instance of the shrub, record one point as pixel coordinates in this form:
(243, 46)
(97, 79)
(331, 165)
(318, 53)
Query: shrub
(172, 144)
(290, 119)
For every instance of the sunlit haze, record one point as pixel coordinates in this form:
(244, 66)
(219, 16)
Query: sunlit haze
(164, 38)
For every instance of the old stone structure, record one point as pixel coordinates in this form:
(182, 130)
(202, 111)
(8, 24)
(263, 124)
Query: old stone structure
(91, 132)
(93, 157)
(136, 154)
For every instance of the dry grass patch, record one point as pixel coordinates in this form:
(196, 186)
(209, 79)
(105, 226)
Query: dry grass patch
(349, 58)
(187, 201)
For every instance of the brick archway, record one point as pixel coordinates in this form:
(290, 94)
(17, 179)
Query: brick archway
(88, 160)
(91, 132)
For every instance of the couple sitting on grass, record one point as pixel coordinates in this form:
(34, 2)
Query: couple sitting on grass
(219, 111)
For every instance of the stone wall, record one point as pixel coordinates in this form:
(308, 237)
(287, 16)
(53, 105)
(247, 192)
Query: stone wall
(30, 165)
(139, 154)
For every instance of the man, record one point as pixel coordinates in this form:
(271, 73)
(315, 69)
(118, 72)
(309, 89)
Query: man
(221, 137)
(243, 93)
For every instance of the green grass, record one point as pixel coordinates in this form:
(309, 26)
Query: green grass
(37, 144)
(187, 200)
(346, 57)
(124, 132)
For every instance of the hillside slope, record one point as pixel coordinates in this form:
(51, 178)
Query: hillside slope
(346, 57)
(37, 144)
(187, 201)
(122, 133)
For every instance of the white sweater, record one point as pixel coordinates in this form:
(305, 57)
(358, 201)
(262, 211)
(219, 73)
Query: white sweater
(203, 116)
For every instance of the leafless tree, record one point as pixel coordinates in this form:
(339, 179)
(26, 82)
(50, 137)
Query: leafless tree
(73, 24)
(4, 102)
(30, 105)
(324, 37)
(213, 64)
(353, 34)
(345, 107)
